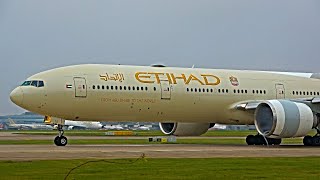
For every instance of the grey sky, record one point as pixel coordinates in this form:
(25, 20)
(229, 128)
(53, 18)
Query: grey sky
(240, 34)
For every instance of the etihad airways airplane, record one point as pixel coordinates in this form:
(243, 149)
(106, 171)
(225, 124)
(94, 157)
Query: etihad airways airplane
(186, 101)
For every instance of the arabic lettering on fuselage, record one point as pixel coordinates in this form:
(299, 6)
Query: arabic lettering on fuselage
(154, 77)
(113, 77)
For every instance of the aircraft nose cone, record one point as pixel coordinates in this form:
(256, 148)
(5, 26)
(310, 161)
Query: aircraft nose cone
(16, 96)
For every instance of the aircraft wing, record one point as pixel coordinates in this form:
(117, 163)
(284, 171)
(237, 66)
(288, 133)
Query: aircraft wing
(252, 105)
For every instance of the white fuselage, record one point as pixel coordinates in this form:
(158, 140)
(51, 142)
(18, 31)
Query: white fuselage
(157, 94)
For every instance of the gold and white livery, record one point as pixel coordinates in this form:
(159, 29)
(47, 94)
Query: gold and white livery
(187, 101)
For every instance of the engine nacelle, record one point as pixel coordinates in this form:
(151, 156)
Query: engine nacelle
(284, 119)
(185, 129)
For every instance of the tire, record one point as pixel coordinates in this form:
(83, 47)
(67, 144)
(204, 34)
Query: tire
(259, 140)
(63, 141)
(277, 141)
(57, 141)
(308, 141)
(250, 140)
(316, 141)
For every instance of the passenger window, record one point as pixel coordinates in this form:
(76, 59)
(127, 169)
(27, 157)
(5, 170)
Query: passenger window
(129, 88)
(138, 88)
(211, 90)
(191, 90)
(116, 87)
(234, 91)
(218, 90)
(93, 87)
(207, 90)
(125, 87)
(98, 87)
(101, 87)
(107, 87)
(265, 92)
(146, 88)
(195, 90)
(133, 88)
(227, 90)
(120, 87)
(154, 88)
(242, 91)
(187, 89)
(111, 87)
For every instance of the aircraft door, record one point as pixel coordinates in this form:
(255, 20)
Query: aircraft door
(280, 91)
(80, 87)
(165, 89)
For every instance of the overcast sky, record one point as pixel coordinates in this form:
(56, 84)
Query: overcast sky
(240, 34)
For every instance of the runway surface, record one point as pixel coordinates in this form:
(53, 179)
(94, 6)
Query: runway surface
(43, 152)
(37, 152)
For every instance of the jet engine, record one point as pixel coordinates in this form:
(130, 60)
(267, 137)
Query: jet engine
(284, 119)
(185, 129)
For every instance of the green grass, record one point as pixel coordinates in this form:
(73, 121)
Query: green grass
(213, 168)
(141, 141)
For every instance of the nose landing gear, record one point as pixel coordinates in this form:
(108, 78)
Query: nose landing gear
(60, 140)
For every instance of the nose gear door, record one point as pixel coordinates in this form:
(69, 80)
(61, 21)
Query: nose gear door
(80, 87)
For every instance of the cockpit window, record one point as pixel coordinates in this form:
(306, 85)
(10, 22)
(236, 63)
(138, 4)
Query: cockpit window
(33, 83)
(40, 84)
(26, 83)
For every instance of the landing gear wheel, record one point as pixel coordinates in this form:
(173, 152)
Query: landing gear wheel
(316, 140)
(277, 141)
(260, 140)
(60, 141)
(250, 140)
(308, 141)
(57, 140)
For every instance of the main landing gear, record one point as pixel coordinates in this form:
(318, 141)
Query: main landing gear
(260, 140)
(312, 140)
(60, 140)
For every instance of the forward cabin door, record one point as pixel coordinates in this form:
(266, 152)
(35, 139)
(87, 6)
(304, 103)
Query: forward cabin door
(165, 89)
(80, 87)
(280, 91)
